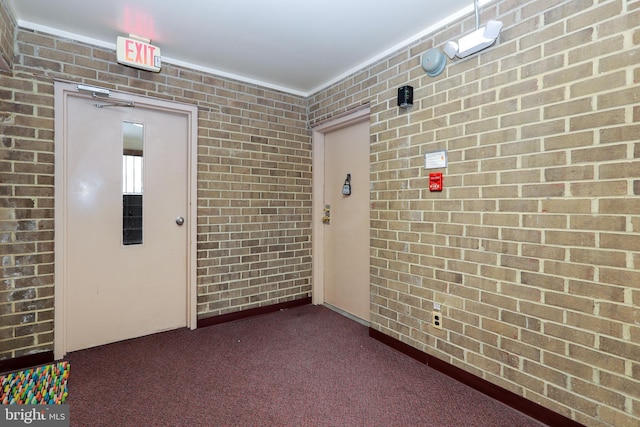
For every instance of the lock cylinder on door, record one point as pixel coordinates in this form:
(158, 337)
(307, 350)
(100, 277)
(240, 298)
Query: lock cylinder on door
(326, 219)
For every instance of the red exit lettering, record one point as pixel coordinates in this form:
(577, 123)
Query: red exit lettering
(138, 52)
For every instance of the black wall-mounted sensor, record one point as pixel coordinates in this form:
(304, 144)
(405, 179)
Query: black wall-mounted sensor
(405, 97)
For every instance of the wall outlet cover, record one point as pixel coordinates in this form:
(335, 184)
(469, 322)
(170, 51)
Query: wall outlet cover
(436, 320)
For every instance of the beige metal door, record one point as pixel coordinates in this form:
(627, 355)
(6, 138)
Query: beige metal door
(124, 284)
(346, 235)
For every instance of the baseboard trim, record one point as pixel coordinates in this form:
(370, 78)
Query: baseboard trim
(24, 362)
(517, 402)
(244, 314)
(403, 348)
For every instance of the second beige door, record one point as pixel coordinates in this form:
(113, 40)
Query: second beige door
(346, 236)
(121, 284)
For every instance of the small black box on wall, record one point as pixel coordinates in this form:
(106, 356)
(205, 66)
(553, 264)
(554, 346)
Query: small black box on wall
(405, 96)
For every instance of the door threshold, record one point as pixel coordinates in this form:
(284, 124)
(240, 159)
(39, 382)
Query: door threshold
(346, 314)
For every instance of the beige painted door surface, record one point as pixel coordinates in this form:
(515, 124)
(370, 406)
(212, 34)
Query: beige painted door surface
(117, 291)
(346, 284)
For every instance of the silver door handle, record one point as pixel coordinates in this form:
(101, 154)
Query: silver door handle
(180, 220)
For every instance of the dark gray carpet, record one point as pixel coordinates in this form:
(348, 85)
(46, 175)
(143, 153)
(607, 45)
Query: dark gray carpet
(306, 366)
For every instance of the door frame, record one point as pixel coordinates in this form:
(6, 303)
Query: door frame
(62, 90)
(318, 151)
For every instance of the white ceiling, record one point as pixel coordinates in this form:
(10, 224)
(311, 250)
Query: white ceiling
(299, 46)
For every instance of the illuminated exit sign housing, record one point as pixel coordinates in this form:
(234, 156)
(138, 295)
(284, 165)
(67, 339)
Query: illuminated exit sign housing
(137, 52)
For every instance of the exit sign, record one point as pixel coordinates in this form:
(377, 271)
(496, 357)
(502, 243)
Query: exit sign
(138, 53)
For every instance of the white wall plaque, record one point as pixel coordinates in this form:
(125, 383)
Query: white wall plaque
(435, 159)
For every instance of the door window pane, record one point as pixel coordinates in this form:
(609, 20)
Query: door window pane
(132, 182)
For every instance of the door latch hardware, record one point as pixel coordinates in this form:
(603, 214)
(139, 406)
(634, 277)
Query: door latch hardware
(326, 219)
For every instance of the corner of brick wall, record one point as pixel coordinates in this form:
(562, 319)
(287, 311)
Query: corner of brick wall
(7, 37)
